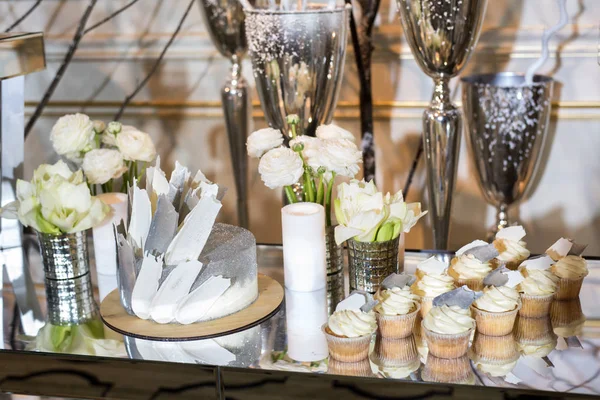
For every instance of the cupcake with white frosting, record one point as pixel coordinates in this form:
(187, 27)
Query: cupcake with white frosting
(466, 269)
(447, 330)
(432, 280)
(570, 270)
(349, 334)
(396, 312)
(537, 290)
(511, 248)
(496, 310)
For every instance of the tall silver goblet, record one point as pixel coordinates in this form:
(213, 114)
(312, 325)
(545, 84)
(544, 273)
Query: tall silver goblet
(225, 23)
(441, 35)
(298, 63)
(507, 120)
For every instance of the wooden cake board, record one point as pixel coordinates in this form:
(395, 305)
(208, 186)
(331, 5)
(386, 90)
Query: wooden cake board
(270, 297)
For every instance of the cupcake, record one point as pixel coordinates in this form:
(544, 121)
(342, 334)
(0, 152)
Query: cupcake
(465, 269)
(360, 368)
(348, 334)
(430, 286)
(448, 370)
(394, 352)
(534, 336)
(431, 266)
(496, 310)
(567, 318)
(570, 271)
(396, 312)
(447, 330)
(512, 250)
(537, 292)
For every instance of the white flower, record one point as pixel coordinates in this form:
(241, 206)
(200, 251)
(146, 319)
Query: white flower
(311, 148)
(360, 210)
(99, 127)
(102, 165)
(263, 140)
(331, 131)
(280, 167)
(135, 145)
(403, 215)
(73, 134)
(340, 156)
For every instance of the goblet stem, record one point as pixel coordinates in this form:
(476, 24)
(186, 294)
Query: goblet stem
(441, 139)
(236, 104)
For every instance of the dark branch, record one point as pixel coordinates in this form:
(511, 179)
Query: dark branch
(18, 21)
(111, 16)
(155, 66)
(63, 67)
(413, 168)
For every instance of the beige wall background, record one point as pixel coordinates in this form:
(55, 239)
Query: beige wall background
(180, 106)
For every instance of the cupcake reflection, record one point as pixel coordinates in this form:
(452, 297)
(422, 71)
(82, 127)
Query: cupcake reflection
(361, 368)
(534, 336)
(399, 372)
(448, 370)
(494, 355)
(394, 352)
(567, 318)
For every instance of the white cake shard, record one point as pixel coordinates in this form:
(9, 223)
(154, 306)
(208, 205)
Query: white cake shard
(191, 238)
(513, 233)
(173, 289)
(432, 266)
(208, 352)
(560, 249)
(141, 217)
(146, 285)
(177, 184)
(539, 262)
(472, 245)
(196, 304)
(354, 301)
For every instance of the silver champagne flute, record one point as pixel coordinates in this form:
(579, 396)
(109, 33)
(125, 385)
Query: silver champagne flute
(442, 36)
(507, 120)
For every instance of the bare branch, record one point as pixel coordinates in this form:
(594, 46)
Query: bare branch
(63, 67)
(111, 16)
(155, 66)
(22, 18)
(413, 168)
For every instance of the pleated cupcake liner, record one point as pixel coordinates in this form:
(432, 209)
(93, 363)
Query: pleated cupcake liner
(495, 323)
(494, 349)
(360, 368)
(394, 352)
(397, 326)
(447, 345)
(568, 289)
(535, 306)
(347, 349)
(447, 370)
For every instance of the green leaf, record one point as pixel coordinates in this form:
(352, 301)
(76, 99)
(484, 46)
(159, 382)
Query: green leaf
(397, 229)
(96, 328)
(385, 232)
(61, 337)
(45, 226)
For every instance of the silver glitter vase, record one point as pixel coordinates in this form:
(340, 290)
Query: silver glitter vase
(335, 290)
(64, 256)
(333, 252)
(369, 263)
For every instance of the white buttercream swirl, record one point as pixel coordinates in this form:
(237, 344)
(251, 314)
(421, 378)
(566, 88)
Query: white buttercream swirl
(511, 250)
(570, 267)
(466, 266)
(498, 299)
(352, 323)
(538, 282)
(433, 285)
(448, 320)
(396, 301)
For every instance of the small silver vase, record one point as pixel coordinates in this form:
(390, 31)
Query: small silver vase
(64, 256)
(335, 258)
(369, 263)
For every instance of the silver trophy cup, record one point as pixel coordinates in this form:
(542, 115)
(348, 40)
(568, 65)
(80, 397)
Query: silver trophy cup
(225, 23)
(507, 121)
(298, 63)
(441, 35)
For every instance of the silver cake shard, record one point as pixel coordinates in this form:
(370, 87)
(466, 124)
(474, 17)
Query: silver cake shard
(462, 297)
(397, 280)
(177, 184)
(126, 271)
(483, 253)
(503, 276)
(577, 249)
(163, 227)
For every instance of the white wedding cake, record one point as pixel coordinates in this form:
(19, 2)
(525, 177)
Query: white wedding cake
(175, 265)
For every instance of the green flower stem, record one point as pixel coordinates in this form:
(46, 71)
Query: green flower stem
(293, 128)
(321, 190)
(309, 192)
(289, 193)
(328, 200)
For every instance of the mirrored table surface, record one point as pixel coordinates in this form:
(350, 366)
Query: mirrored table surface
(553, 357)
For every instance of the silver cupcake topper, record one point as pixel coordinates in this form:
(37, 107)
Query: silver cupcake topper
(462, 297)
(483, 253)
(503, 276)
(397, 280)
(469, 246)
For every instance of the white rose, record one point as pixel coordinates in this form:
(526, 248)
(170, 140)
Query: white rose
(280, 167)
(73, 134)
(340, 156)
(331, 131)
(135, 145)
(360, 210)
(263, 140)
(102, 165)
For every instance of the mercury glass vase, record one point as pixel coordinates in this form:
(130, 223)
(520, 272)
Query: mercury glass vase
(64, 256)
(333, 252)
(369, 263)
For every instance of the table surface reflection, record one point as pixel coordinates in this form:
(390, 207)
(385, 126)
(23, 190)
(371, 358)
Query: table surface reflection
(567, 369)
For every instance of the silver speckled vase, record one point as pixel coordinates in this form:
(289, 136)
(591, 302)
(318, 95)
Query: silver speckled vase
(333, 252)
(369, 263)
(65, 256)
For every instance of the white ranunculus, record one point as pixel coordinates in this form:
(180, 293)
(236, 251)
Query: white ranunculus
(102, 165)
(280, 167)
(263, 140)
(331, 131)
(135, 145)
(360, 210)
(311, 149)
(73, 134)
(99, 126)
(340, 156)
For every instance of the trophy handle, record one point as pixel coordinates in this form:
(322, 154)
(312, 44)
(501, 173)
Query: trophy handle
(236, 104)
(441, 140)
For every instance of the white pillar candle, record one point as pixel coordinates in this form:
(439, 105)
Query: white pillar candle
(305, 314)
(303, 234)
(105, 251)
